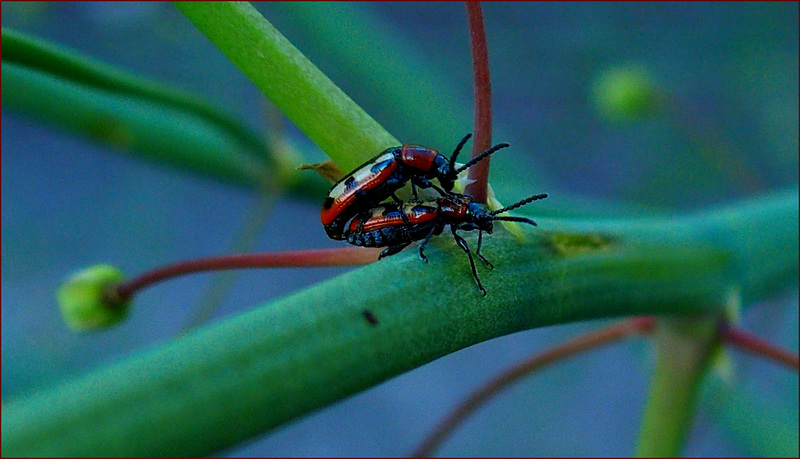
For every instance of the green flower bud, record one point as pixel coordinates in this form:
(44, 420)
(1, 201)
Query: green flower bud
(626, 94)
(83, 299)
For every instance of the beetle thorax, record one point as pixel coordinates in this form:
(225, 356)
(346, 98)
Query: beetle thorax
(479, 217)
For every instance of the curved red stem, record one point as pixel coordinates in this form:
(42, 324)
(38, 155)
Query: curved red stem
(346, 256)
(755, 345)
(574, 346)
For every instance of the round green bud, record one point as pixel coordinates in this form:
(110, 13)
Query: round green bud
(84, 301)
(626, 94)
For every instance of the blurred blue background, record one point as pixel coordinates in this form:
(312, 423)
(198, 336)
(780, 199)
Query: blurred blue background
(728, 70)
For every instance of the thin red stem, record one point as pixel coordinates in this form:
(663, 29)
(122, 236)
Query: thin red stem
(483, 101)
(577, 345)
(757, 346)
(346, 256)
(608, 335)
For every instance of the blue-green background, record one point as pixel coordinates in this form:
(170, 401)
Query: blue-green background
(731, 67)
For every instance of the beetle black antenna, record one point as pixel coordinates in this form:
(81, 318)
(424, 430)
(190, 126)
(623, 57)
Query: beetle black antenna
(535, 197)
(481, 156)
(458, 150)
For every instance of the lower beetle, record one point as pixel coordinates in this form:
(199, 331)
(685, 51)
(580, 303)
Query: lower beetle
(396, 226)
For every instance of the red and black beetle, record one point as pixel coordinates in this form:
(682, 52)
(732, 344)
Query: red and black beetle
(380, 177)
(396, 226)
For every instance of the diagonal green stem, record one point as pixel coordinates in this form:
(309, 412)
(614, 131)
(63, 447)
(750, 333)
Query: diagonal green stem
(228, 382)
(164, 134)
(296, 86)
(42, 56)
(74, 92)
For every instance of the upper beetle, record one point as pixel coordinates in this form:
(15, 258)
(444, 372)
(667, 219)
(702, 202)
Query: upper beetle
(379, 178)
(396, 226)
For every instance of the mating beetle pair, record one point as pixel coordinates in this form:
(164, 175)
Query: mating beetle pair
(377, 179)
(396, 225)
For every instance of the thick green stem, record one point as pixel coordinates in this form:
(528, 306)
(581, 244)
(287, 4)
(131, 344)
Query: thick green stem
(233, 380)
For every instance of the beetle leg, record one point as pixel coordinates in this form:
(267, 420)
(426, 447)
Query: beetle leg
(404, 217)
(483, 259)
(360, 226)
(463, 244)
(425, 243)
(422, 182)
(393, 250)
